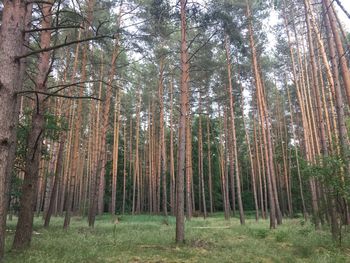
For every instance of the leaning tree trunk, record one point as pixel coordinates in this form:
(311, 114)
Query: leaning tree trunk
(343, 134)
(339, 46)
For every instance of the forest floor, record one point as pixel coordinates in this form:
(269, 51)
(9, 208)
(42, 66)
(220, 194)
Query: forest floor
(145, 238)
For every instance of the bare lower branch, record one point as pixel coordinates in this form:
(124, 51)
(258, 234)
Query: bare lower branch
(57, 95)
(52, 28)
(62, 45)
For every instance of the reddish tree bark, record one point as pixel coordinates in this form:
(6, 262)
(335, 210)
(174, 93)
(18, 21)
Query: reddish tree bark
(15, 19)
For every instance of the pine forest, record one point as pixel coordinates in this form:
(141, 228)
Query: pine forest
(175, 131)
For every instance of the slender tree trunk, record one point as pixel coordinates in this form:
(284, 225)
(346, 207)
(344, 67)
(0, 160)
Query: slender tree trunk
(172, 164)
(232, 173)
(267, 145)
(200, 157)
(303, 114)
(259, 95)
(96, 147)
(297, 159)
(78, 123)
(233, 130)
(315, 86)
(257, 161)
(124, 169)
(339, 103)
(153, 160)
(180, 217)
(162, 146)
(70, 114)
(209, 165)
(284, 150)
(345, 73)
(97, 196)
(116, 122)
(251, 160)
(58, 172)
(224, 139)
(189, 180)
(149, 160)
(342, 130)
(135, 202)
(228, 144)
(50, 174)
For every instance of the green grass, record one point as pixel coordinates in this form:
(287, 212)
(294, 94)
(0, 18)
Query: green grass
(146, 238)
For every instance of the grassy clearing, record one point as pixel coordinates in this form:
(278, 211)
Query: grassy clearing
(147, 238)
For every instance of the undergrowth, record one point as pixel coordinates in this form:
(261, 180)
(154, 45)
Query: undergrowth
(147, 238)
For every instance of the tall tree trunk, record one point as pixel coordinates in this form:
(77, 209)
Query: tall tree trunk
(15, 19)
(224, 139)
(200, 157)
(56, 178)
(297, 158)
(262, 111)
(97, 143)
(24, 226)
(78, 122)
(70, 114)
(228, 146)
(261, 182)
(98, 184)
(342, 130)
(135, 201)
(232, 173)
(50, 173)
(162, 146)
(150, 161)
(124, 168)
(339, 103)
(180, 217)
(339, 47)
(209, 165)
(97, 196)
(315, 87)
(302, 107)
(189, 180)
(233, 130)
(251, 160)
(172, 164)
(116, 122)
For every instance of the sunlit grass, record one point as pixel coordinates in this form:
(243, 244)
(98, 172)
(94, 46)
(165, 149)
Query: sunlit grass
(146, 238)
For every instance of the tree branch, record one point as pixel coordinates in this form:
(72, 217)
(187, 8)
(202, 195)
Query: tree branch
(57, 95)
(62, 45)
(52, 28)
